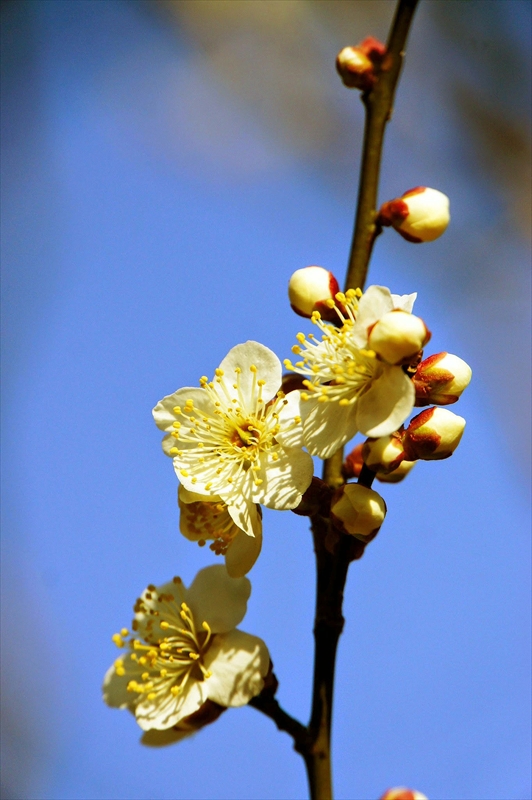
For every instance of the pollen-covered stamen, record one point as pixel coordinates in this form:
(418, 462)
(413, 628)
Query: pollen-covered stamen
(168, 660)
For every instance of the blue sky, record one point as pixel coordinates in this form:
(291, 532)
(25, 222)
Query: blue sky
(138, 248)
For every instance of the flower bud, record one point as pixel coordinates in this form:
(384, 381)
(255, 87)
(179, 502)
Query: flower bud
(433, 434)
(357, 510)
(355, 68)
(419, 215)
(383, 454)
(402, 793)
(397, 336)
(398, 474)
(356, 65)
(441, 379)
(309, 286)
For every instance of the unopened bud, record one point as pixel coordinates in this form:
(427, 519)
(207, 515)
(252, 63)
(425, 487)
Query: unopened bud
(433, 434)
(357, 510)
(441, 379)
(309, 286)
(383, 454)
(398, 474)
(355, 68)
(397, 336)
(419, 215)
(353, 463)
(402, 793)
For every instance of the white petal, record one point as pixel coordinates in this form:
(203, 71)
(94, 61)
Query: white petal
(185, 496)
(238, 662)
(385, 406)
(166, 711)
(327, 426)
(155, 738)
(217, 599)
(114, 688)
(375, 302)
(149, 599)
(164, 414)
(243, 356)
(243, 512)
(404, 301)
(291, 433)
(284, 480)
(242, 553)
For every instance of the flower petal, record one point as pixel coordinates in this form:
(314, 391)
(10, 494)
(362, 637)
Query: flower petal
(243, 552)
(291, 433)
(115, 692)
(217, 599)
(167, 710)
(385, 406)
(284, 480)
(238, 662)
(164, 414)
(155, 738)
(243, 512)
(243, 357)
(327, 426)
(405, 302)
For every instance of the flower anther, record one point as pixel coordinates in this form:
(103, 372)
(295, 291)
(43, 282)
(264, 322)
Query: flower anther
(238, 437)
(348, 388)
(185, 650)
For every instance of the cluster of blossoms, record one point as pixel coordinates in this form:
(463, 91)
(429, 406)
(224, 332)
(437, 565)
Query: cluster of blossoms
(246, 438)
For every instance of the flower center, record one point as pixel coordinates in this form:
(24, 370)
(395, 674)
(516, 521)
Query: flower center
(168, 660)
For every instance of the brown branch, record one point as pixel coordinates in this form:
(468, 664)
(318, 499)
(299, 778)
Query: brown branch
(332, 566)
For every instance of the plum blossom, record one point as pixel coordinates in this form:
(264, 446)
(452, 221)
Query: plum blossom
(350, 388)
(202, 520)
(238, 437)
(185, 661)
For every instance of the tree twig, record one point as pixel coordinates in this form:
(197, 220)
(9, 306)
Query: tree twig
(332, 567)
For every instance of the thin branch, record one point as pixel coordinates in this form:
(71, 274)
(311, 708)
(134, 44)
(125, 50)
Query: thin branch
(332, 566)
(269, 706)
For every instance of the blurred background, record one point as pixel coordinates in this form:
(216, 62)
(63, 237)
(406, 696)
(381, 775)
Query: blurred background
(165, 167)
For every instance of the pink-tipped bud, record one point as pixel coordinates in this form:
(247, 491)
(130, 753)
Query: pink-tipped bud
(402, 793)
(355, 68)
(309, 286)
(398, 474)
(353, 463)
(419, 215)
(397, 336)
(383, 454)
(441, 379)
(433, 434)
(358, 511)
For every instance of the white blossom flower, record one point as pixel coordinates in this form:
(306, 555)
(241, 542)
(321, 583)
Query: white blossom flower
(237, 437)
(349, 388)
(202, 520)
(185, 651)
